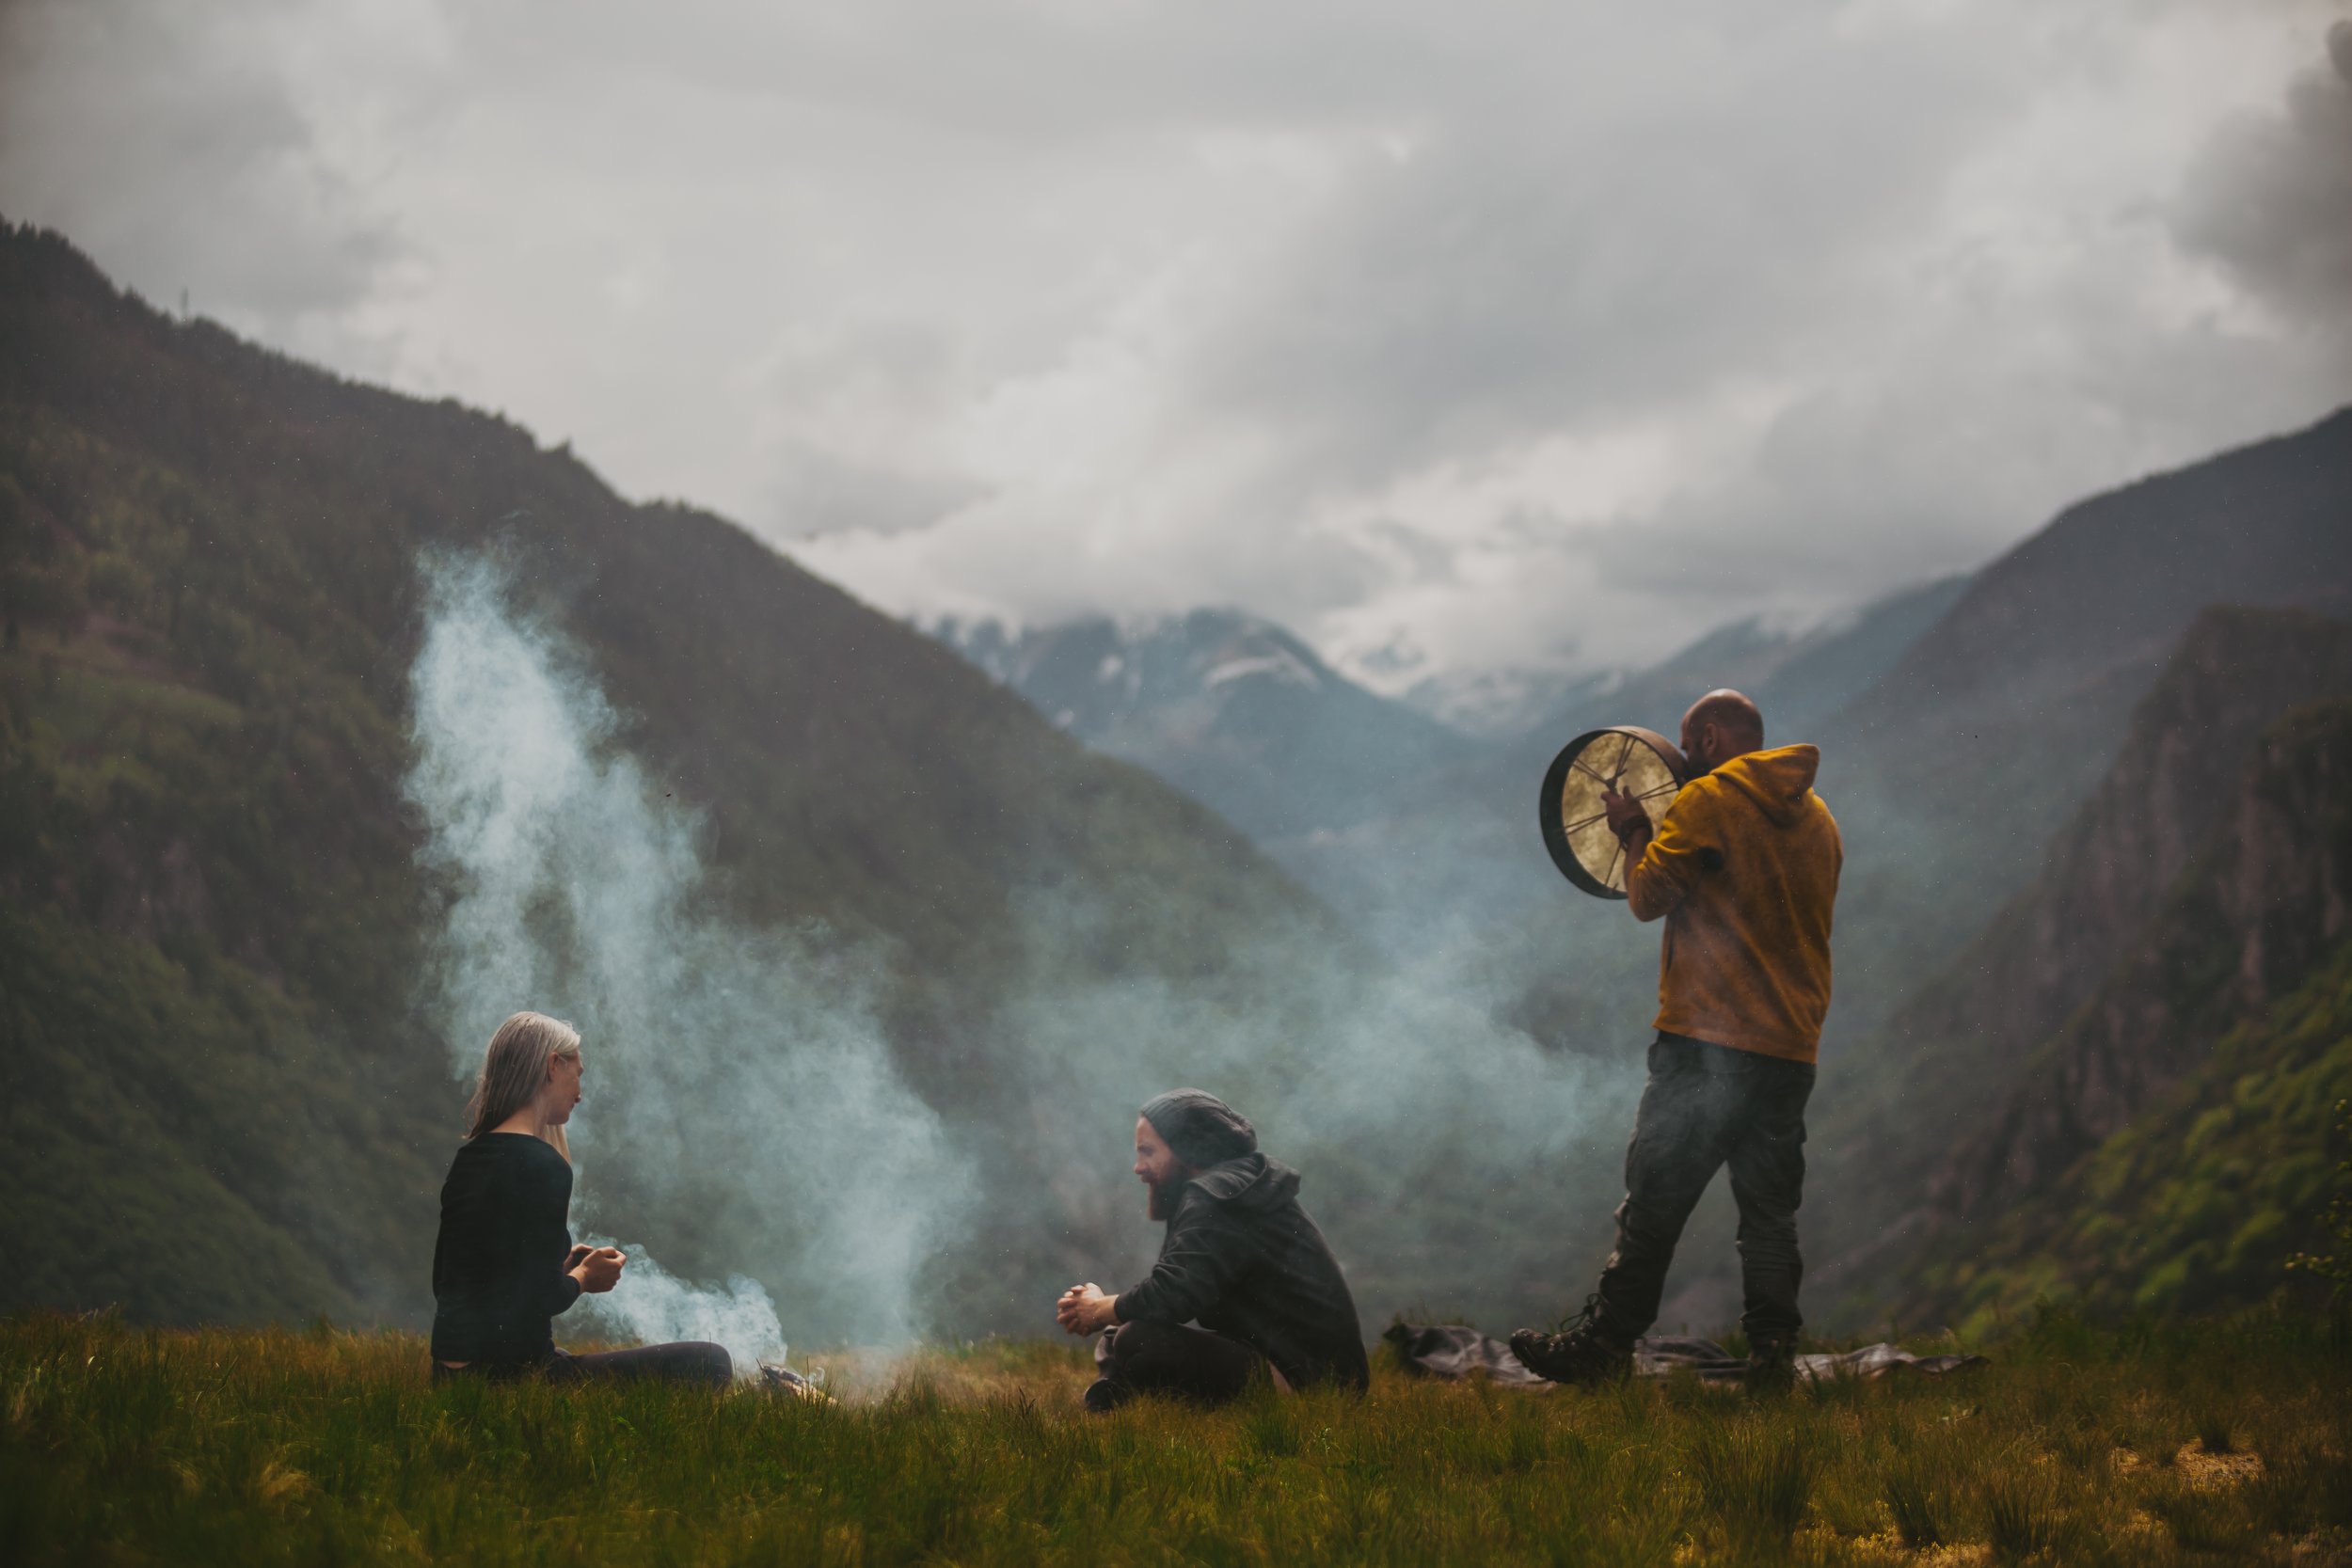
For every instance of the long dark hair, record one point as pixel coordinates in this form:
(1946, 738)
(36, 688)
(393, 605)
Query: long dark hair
(515, 1070)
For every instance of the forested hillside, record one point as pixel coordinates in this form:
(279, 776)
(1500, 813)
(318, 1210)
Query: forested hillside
(2178, 1140)
(228, 1094)
(2002, 719)
(221, 1097)
(1933, 1083)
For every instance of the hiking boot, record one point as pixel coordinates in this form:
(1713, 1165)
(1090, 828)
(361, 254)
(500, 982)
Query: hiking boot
(1772, 1367)
(1581, 1352)
(1102, 1395)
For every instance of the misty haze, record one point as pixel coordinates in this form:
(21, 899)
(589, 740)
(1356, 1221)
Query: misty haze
(771, 782)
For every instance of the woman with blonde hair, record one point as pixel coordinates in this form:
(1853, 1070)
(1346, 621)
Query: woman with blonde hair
(504, 1264)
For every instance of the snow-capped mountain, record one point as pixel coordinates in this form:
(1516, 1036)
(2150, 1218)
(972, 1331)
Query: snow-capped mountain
(1798, 676)
(1232, 709)
(1384, 809)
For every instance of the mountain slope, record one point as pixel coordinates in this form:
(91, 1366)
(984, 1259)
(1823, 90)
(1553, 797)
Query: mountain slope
(2271, 895)
(2167, 1150)
(1798, 679)
(1233, 711)
(216, 928)
(2011, 708)
(1942, 1066)
(2115, 581)
(1948, 776)
(1801, 676)
(1451, 859)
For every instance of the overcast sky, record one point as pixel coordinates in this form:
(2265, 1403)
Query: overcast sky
(1455, 337)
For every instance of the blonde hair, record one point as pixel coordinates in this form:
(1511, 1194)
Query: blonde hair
(515, 1070)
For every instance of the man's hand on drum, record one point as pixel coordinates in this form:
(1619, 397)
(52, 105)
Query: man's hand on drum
(1626, 815)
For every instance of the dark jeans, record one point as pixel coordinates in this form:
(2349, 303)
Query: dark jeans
(1164, 1359)
(1704, 1107)
(688, 1361)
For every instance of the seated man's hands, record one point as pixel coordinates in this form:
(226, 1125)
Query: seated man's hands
(1085, 1309)
(597, 1269)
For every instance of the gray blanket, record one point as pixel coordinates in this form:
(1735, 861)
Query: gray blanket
(1456, 1350)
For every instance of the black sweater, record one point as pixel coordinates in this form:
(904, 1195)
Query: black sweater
(1242, 1256)
(497, 1267)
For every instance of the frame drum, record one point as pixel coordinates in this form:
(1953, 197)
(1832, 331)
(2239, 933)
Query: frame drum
(1625, 757)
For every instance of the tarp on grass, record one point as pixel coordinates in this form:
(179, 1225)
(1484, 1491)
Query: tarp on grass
(1457, 1350)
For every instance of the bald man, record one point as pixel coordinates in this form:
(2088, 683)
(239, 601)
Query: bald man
(1743, 868)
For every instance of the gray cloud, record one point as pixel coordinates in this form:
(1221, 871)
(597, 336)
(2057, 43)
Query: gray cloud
(840, 463)
(1528, 267)
(168, 141)
(818, 492)
(1454, 339)
(2270, 198)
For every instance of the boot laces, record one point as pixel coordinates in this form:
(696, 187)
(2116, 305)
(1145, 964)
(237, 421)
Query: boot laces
(1585, 1319)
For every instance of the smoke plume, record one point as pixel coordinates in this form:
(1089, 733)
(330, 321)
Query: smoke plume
(651, 1306)
(745, 1113)
(735, 1085)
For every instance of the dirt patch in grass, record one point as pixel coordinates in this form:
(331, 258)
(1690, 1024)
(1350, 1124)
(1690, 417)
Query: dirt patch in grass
(2203, 1469)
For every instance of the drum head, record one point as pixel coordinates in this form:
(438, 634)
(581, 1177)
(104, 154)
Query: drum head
(1625, 757)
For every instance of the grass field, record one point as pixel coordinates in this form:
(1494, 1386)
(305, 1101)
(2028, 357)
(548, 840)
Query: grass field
(2185, 1443)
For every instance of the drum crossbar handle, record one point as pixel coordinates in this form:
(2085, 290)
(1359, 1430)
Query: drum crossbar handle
(1572, 811)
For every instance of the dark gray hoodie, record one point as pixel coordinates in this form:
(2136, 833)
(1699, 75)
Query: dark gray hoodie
(1241, 1258)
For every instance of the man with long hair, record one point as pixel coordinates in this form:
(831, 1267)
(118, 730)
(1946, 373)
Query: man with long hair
(1239, 1256)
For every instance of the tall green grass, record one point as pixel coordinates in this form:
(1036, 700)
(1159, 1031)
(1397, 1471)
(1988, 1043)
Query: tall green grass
(124, 1445)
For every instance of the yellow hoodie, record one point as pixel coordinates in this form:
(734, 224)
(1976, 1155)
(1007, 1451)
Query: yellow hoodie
(1744, 868)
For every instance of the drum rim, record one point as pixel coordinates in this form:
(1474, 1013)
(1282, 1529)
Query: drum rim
(1556, 777)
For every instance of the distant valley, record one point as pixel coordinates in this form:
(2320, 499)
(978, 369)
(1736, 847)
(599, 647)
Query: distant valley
(2090, 950)
(1963, 723)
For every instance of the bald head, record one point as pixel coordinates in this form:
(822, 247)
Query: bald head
(1721, 725)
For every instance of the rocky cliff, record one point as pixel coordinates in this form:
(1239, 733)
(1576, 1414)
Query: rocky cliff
(2257, 910)
(1953, 771)
(2169, 1147)
(1964, 1036)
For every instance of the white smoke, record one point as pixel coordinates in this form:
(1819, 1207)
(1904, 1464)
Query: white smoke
(736, 1084)
(652, 1305)
(1453, 1161)
(745, 1116)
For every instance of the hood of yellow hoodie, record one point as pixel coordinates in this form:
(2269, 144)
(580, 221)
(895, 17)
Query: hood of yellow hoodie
(1778, 781)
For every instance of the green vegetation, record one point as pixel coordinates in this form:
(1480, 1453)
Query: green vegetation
(2075, 1446)
(2221, 1182)
(221, 1098)
(2204, 1198)
(120, 1067)
(2336, 1263)
(2118, 969)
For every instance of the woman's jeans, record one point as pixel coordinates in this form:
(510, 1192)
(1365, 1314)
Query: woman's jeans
(1704, 1107)
(688, 1361)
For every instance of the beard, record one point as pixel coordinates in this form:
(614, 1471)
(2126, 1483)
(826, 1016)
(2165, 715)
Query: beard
(1160, 1197)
